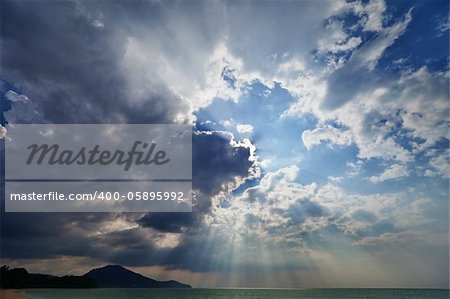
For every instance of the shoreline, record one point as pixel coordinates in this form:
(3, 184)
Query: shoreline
(12, 294)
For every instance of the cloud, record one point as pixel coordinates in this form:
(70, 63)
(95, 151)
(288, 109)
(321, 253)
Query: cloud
(244, 128)
(282, 211)
(90, 87)
(374, 106)
(3, 132)
(327, 133)
(335, 179)
(443, 26)
(217, 165)
(154, 66)
(372, 51)
(393, 172)
(371, 14)
(441, 164)
(15, 97)
(354, 168)
(167, 239)
(343, 85)
(384, 238)
(423, 96)
(337, 40)
(292, 65)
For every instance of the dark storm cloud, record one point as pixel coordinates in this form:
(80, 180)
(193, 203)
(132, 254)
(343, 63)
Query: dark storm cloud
(170, 222)
(49, 235)
(54, 235)
(70, 68)
(214, 163)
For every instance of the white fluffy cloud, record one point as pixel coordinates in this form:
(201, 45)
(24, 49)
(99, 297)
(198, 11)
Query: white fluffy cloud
(337, 39)
(371, 14)
(244, 128)
(327, 133)
(372, 51)
(440, 164)
(279, 210)
(393, 172)
(374, 108)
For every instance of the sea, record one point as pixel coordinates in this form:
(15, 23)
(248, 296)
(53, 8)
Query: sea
(237, 293)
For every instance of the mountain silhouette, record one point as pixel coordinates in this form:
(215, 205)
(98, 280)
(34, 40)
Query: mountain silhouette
(20, 278)
(111, 276)
(116, 276)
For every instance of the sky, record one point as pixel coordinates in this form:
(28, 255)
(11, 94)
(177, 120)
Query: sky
(320, 136)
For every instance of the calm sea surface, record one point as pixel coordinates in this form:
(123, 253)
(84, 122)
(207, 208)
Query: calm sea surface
(238, 293)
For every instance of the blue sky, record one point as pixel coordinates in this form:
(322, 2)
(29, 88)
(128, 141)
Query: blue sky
(324, 125)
